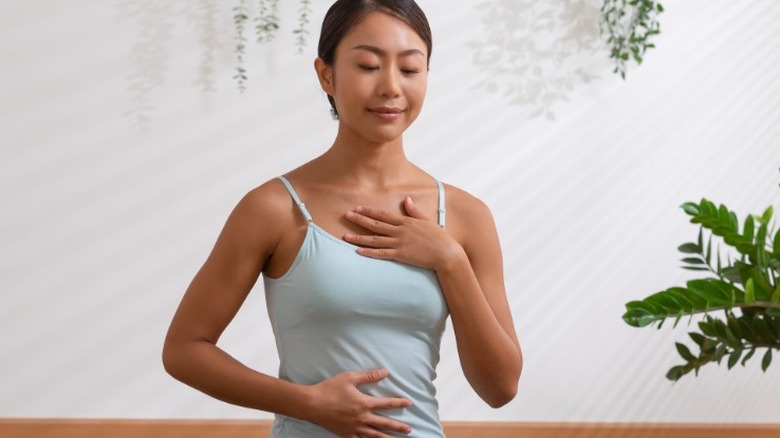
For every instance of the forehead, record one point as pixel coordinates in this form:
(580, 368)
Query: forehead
(385, 31)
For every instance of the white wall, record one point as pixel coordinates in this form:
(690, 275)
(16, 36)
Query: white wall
(103, 225)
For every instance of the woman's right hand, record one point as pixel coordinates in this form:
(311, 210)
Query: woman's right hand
(341, 408)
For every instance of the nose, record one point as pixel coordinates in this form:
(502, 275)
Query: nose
(390, 84)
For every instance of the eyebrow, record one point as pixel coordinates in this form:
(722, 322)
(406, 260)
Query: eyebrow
(381, 52)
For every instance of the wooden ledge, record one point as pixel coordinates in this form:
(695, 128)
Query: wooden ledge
(108, 428)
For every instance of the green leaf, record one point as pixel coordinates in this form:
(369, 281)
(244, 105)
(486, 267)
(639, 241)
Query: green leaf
(761, 236)
(748, 356)
(767, 216)
(691, 208)
(763, 330)
(708, 208)
(639, 316)
(723, 212)
(720, 352)
(685, 352)
(666, 302)
(671, 303)
(767, 360)
(750, 292)
(776, 294)
(693, 261)
(763, 289)
(708, 328)
(715, 292)
(749, 228)
(689, 248)
(746, 329)
(731, 339)
(688, 301)
(709, 346)
(698, 339)
(734, 357)
(675, 373)
(731, 273)
(699, 240)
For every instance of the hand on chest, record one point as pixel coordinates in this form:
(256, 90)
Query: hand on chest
(328, 207)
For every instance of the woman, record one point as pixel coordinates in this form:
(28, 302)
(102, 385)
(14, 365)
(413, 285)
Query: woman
(360, 272)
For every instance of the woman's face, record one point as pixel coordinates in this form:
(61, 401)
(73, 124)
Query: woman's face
(379, 78)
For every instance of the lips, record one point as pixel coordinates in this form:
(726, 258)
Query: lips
(386, 112)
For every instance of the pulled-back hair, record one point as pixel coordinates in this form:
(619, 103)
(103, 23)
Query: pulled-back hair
(346, 14)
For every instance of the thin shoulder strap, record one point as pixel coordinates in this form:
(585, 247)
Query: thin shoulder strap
(295, 197)
(442, 209)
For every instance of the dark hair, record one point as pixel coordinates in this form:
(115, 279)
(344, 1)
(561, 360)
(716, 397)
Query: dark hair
(346, 14)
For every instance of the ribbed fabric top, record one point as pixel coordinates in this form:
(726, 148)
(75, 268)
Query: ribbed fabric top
(335, 310)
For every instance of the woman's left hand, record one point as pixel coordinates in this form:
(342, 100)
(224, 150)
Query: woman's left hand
(413, 239)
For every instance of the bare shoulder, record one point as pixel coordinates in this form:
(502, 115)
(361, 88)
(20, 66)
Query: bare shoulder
(269, 198)
(464, 202)
(262, 213)
(468, 218)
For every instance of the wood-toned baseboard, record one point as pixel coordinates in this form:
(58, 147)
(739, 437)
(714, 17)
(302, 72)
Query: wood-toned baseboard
(55, 428)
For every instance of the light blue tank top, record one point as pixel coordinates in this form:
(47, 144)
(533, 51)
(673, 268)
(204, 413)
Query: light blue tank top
(335, 310)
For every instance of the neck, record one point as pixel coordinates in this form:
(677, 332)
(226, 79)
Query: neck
(357, 160)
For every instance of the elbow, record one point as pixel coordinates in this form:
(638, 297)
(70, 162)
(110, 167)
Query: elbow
(504, 389)
(502, 395)
(171, 362)
(499, 390)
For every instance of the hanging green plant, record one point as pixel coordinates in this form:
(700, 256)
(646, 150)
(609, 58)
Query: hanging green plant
(302, 31)
(267, 25)
(745, 288)
(630, 26)
(267, 20)
(240, 16)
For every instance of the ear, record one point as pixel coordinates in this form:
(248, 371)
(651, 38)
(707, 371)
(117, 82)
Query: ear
(325, 75)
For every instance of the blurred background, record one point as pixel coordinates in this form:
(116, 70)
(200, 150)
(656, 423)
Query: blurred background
(125, 143)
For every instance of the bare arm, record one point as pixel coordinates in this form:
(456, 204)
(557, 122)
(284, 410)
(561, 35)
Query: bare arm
(247, 242)
(471, 276)
(473, 282)
(216, 293)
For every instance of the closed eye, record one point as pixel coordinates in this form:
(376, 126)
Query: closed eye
(369, 67)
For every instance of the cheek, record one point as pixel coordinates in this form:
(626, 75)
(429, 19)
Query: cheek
(418, 88)
(351, 87)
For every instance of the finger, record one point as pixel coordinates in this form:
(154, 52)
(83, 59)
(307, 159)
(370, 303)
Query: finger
(379, 214)
(369, 376)
(383, 423)
(381, 403)
(412, 209)
(371, 224)
(378, 253)
(372, 241)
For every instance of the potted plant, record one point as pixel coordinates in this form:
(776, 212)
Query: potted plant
(739, 296)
